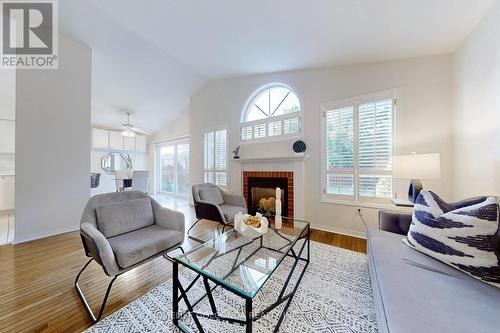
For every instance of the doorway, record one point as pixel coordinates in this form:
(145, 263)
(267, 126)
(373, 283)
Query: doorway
(173, 168)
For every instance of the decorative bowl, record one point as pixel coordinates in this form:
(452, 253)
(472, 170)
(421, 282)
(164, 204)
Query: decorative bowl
(249, 230)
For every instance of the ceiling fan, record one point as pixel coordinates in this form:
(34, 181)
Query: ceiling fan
(129, 130)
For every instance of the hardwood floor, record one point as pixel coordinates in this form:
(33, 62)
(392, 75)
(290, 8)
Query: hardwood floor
(36, 278)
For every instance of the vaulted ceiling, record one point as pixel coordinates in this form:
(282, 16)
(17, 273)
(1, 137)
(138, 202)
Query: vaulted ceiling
(150, 56)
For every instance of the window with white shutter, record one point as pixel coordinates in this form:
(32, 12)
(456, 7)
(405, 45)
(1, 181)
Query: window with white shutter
(273, 111)
(215, 157)
(357, 144)
(339, 130)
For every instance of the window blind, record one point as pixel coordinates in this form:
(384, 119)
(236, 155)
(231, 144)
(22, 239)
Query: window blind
(246, 133)
(375, 135)
(375, 149)
(340, 151)
(215, 157)
(291, 125)
(274, 128)
(358, 149)
(259, 131)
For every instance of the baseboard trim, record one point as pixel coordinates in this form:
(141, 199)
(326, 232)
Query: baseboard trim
(347, 232)
(43, 234)
(58, 231)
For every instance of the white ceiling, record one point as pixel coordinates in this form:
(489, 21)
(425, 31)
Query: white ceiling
(150, 56)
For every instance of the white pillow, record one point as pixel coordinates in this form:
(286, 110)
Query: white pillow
(463, 238)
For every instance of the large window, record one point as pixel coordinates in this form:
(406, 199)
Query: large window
(215, 157)
(174, 167)
(273, 111)
(357, 149)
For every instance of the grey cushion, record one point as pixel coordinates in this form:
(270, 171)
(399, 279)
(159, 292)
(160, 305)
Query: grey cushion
(230, 211)
(212, 195)
(121, 217)
(136, 246)
(416, 293)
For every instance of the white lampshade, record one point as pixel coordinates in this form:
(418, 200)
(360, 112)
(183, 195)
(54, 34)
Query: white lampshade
(417, 166)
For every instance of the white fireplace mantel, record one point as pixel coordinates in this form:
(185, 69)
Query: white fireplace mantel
(297, 157)
(267, 162)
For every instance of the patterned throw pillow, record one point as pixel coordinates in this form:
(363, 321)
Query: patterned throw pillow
(463, 238)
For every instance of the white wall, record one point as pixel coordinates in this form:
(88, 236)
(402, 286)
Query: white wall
(175, 129)
(423, 122)
(53, 144)
(477, 110)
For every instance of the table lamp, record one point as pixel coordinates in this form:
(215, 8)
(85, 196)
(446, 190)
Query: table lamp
(416, 167)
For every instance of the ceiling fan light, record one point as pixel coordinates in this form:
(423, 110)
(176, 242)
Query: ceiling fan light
(128, 133)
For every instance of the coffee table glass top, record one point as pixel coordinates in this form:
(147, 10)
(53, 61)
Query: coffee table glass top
(242, 263)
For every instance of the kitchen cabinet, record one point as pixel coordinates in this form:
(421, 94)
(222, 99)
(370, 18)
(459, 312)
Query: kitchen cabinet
(7, 190)
(115, 140)
(140, 143)
(6, 227)
(7, 136)
(129, 143)
(100, 138)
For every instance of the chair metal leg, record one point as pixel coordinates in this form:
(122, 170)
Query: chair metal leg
(84, 300)
(166, 256)
(191, 227)
(194, 238)
(226, 225)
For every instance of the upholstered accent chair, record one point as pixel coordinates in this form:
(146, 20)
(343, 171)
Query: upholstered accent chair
(140, 180)
(212, 203)
(123, 230)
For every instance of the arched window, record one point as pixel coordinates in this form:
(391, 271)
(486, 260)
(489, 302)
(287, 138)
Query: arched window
(274, 110)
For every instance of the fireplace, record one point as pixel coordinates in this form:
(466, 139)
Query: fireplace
(262, 184)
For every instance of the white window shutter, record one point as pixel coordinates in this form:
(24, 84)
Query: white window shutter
(375, 135)
(215, 157)
(339, 131)
(375, 148)
(209, 150)
(220, 150)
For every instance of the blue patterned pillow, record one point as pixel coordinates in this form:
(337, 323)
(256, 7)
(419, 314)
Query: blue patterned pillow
(463, 238)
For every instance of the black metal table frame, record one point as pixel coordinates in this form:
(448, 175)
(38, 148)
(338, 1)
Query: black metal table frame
(249, 318)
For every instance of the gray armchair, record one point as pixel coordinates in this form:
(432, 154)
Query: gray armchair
(123, 230)
(212, 203)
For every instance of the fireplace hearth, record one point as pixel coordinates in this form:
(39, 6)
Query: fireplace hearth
(262, 184)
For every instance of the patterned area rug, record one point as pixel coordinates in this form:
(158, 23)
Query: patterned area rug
(334, 296)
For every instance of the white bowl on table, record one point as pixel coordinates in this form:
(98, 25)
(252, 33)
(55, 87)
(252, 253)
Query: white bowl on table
(249, 230)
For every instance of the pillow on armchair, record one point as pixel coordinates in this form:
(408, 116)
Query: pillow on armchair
(463, 238)
(212, 195)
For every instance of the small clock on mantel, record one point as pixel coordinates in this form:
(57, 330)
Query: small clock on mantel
(299, 146)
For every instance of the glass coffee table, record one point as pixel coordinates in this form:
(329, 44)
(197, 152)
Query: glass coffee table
(241, 265)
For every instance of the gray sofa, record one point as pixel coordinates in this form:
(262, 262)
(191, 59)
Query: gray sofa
(416, 293)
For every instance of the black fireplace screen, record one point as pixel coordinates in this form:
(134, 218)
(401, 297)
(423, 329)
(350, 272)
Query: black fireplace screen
(265, 188)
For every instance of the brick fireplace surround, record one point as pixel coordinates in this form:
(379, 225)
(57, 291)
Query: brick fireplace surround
(271, 174)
